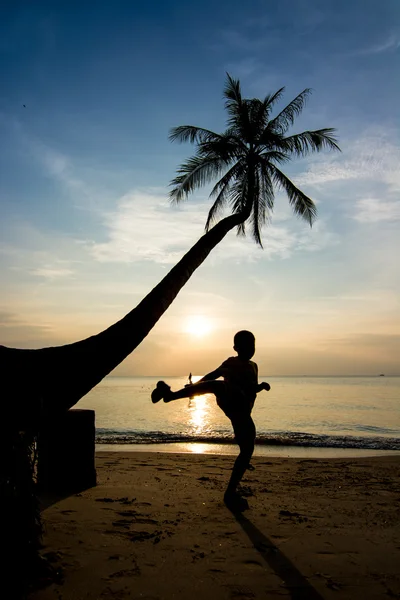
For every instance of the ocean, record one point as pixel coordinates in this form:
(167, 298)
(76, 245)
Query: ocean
(304, 412)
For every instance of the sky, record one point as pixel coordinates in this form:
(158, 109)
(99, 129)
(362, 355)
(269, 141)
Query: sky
(88, 94)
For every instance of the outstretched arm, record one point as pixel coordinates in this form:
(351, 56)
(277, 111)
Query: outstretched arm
(213, 375)
(263, 386)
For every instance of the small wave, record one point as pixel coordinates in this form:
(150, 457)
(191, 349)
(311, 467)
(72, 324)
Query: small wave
(374, 429)
(291, 438)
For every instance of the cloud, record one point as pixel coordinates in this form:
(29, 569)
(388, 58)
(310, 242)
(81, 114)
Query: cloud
(39, 253)
(144, 227)
(56, 165)
(373, 210)
(391, 43)
(373, 156)
(62, 169)
(17, 332)
(52, 272)
(391, 342)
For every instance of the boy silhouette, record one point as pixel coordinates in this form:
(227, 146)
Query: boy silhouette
(235, 395)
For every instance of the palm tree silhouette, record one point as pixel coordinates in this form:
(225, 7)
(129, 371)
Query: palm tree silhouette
(246, 157)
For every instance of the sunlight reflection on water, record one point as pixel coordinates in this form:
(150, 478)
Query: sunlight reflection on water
(320, 406)
(198, 414)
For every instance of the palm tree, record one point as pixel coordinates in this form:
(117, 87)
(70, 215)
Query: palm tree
(248, 155)
(39, 384)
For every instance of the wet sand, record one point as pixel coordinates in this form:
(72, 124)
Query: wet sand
(155, 528)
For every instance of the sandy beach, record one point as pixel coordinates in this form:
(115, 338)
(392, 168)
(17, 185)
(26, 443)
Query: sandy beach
(155, 528)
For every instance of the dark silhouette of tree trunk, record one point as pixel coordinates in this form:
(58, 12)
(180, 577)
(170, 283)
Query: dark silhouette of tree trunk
(45, 382)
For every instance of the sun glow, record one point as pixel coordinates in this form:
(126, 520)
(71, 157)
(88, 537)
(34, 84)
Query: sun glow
(198, 326)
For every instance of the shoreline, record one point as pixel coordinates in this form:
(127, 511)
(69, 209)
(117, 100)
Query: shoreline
(260, 450)
(155, 527)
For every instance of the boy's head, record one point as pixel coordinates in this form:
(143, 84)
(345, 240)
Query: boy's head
(244, 343)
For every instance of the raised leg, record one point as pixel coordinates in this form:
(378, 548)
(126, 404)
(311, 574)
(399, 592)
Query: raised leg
(199, 389)
(164, 392)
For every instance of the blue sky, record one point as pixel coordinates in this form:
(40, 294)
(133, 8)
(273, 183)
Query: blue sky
(86, 229)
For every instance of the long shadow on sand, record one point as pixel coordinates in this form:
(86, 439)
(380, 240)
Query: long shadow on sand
(297, 585)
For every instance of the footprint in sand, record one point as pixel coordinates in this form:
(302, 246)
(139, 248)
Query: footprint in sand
(240, 591)
(197, 555)
(127, 513)
(214, 570)
(125, 573)
(122, 523)
(251, 562)
(141, 536)
(104, 500)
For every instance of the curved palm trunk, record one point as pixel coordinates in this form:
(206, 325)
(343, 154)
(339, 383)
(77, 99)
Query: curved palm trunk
(54, 379)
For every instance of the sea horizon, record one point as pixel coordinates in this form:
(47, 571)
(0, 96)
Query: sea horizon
(311, 412)
(260, 376)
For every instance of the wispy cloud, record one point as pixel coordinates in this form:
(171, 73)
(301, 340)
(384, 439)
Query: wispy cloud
(374, 210)
(45, 255)
(391, 43)
(62, 169)
(55, 165)
(144, 227)
(388, 343)
(52, 272)
(373, 156)
(16, 330)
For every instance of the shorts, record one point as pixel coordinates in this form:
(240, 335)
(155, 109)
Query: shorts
(233, 402)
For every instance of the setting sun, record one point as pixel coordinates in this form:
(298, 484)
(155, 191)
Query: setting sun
(198, 326)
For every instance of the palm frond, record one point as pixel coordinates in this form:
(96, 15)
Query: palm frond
(225, 147)
(257, 118)
(302, 205)
(258, 210)
(267, 186)
(217, 208)
(286, 117)
(270, 140)
(232, 91)
(221, 192)
(232, 134)
(235, 172)
(271, 99)
(238, 198)
(192, 134)
(274, 156)
(195, 172)
(263, 202)
(302, 144)
(237, 109)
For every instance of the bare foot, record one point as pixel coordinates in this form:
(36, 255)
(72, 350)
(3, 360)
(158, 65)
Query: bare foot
(161, 392)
